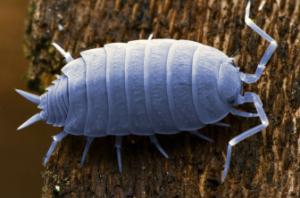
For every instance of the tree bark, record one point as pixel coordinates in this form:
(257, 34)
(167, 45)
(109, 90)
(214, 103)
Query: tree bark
(265, 165)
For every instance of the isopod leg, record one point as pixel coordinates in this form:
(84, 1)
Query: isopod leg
(118, 146)
(154, 141)
(201, 136)
(150, 37)
(68, 57)
(222, 124)
(243, 113)
(248, 97)
(251, 78)
(88, 143)
(56, 139)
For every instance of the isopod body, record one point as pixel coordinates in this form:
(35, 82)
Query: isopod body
(142, 88)
(148, 87)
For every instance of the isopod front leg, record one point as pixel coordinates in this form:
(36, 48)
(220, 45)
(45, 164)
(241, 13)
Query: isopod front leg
(248, 97)
(118, 145)
(154, 141)
(56, 139)
(88, 143)
(244, 114)
(251, 78)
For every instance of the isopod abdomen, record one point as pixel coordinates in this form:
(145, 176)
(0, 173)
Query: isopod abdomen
(148, 87)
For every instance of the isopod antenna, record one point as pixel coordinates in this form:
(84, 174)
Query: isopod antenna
(252, 78)
(250, 97)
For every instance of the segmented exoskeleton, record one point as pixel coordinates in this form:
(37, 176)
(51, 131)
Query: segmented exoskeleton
(148, 87)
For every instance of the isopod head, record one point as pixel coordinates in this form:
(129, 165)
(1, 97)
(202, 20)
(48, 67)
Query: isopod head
(229, 83)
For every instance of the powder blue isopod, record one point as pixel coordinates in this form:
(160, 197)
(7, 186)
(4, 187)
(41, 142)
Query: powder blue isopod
(148, 87)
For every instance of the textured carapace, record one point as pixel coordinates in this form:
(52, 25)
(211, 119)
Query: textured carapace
(148, 87)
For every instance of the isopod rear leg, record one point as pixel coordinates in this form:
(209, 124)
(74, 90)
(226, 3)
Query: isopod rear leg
(118, 145)
(251, 78)
(56, 139)
(201, 136)
(68, 57)
(154, 141)
(88, 143)
(248, 97)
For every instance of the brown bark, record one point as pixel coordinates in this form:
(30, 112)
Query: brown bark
(266, 165)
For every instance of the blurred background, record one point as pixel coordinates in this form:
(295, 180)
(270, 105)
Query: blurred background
(21, 152)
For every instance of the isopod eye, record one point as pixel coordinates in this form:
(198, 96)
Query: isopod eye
(229, 83)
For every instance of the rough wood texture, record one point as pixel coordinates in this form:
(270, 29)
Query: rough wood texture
(266, 165)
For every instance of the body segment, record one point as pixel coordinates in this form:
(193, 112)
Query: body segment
(155, 79)
(179, 85)
(97, 104)
(139, 120)
(118, 122)
(77, 113)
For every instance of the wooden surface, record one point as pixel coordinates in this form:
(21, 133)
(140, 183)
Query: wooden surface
(266, 165)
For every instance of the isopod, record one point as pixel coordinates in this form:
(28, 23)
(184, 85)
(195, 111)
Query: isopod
(148, 87)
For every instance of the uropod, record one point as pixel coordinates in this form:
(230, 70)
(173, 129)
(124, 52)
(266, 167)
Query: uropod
(148, 87)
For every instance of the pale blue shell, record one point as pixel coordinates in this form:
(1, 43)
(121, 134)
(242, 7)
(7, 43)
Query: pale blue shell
(143, 87)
